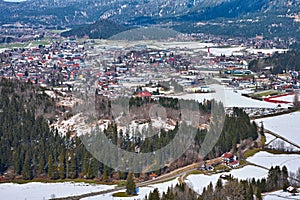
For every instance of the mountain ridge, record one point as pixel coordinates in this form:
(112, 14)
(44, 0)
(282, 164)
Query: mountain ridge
(165, 13)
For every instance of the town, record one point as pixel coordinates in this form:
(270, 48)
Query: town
(150, 72)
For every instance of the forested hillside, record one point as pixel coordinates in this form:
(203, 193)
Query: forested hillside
(101, 29)
(279, 62)
(29, 149)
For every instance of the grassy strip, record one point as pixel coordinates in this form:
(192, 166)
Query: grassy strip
(122, 194)
(251, 152)
(221, 167)
(164, 181)
(121, 183)
(196, 172)
(190, 173)
(243, 162)
(267, 93)
(263, 141)
(13, 45)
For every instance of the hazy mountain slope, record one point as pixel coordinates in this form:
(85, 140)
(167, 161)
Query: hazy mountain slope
(146, 33)
(270, 17)
(64, 12)
(101, 29)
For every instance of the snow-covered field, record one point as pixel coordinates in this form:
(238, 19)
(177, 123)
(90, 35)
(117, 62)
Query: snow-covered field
(266, 51)
(249, 172)
(143, 191)
(225, 51)
(199, 181)
(41, 191)
(280, 195)
(286, 126)
(269, 138)
(291, 161)
(182, 45)
(229, 97)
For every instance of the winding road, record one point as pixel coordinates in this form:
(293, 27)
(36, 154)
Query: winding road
(181, 172)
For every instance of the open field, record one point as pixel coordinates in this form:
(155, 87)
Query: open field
(265, 159)
(40, 191)
(198, 181)
(286, 126)
(229, 97)
(280, 195)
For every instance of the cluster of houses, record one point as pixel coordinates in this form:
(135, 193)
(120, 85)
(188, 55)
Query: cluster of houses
(141, 66)
(227, 159)
(22, 32)
(258, 42)
(49, 65)
(230, 160)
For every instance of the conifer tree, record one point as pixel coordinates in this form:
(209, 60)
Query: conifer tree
(41, 167)
(61, 165)
(26, 170)
(284, 176)
(90, 171)
(17, 163)
(73, 171)
(104, 175)
(50, 166)
(130, 185)
(258, 194)
(154, 195)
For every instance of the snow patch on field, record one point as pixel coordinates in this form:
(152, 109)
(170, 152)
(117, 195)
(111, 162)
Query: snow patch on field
(41, 191)
(225, 51)
(249, 172)
(266, 51)
(229, 97)
(286, 126)
(288, 98)
(269, 138)
(280, 195)
(265, 159)
(77, 124)
(183, 45)
(200, 181)
(51, 94)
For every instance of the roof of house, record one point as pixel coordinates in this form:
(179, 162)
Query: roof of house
(227, 155)
(144, 94)
(153, 175)
(234, 162)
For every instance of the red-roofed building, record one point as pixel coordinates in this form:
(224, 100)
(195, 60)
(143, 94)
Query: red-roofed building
(144, 94)
(234, 164)
(153, 176)
(228, 157)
